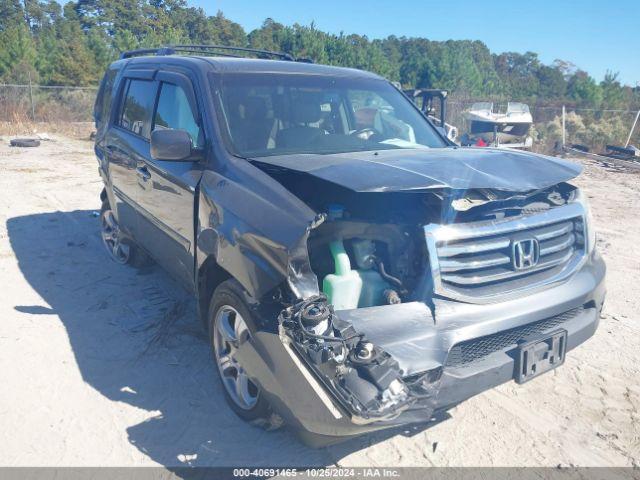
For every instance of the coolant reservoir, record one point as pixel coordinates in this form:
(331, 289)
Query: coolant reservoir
(373, 285)
(373, 288)
(343, 287)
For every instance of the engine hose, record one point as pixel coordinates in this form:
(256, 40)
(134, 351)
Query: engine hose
(390, 278)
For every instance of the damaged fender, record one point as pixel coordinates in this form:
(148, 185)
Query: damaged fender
(256, 230)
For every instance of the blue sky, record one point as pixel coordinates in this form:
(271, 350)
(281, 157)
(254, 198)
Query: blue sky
(595, 35)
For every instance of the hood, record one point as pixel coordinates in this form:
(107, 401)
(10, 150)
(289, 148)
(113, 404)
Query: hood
(422, 169)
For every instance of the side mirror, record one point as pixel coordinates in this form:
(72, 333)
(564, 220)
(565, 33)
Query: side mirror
(170, 144)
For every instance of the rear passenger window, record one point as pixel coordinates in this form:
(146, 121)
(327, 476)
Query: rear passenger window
(137, 107)
(174, 111)
(102, 105)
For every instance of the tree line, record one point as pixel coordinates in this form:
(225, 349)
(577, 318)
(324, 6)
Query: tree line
(71, 44)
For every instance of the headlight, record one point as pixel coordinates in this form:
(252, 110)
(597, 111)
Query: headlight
(581, 198)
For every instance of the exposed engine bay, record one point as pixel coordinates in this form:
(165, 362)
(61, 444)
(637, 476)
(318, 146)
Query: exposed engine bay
(370, 250)
(355, 259)
(365, 262)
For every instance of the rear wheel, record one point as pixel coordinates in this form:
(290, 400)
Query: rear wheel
(228, 331)
(120, 249)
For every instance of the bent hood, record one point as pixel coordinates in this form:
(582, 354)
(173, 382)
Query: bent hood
(423, 169)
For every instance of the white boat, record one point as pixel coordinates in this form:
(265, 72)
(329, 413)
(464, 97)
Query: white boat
(494, 126)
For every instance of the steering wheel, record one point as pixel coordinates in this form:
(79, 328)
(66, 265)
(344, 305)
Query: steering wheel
(364, 133)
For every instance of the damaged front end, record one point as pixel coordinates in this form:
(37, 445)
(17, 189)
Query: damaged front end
(367, 382)
(370, 338)
(354, 267)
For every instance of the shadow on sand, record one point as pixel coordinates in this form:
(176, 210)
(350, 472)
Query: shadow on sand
(136, 340)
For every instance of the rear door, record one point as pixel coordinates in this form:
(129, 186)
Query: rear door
(127, 144)
(167, 193)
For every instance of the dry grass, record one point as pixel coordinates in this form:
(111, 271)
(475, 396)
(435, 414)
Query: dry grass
(26, 128)
(66, 112)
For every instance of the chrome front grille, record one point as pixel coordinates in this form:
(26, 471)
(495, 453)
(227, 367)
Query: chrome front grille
(477, 261)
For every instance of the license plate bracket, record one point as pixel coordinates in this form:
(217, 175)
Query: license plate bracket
(538, 355)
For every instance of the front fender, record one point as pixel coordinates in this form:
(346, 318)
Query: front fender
(257, 232)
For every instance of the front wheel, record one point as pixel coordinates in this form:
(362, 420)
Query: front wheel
(228, 331)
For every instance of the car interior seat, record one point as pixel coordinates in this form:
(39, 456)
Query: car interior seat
(256, 123)
(302, 113)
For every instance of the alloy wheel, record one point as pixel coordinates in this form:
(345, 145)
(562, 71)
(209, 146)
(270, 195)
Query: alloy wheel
(112, 238)
(230, 331)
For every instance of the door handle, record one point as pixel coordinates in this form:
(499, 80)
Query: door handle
(143, 173)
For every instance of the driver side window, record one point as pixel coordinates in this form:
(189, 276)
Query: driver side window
(174, 111)
(366, 106)
(371, 111)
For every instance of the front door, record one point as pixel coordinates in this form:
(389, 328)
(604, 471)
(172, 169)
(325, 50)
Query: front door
(167, 193)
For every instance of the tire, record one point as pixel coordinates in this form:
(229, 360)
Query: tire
(24, 142)
(120, 249)
(227, 330)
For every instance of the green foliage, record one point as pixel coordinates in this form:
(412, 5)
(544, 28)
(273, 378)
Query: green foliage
(552, 83)
(11, 14)
(593, 130)
(73, 44)
(613, 95)
(584, 90)
(17, 55)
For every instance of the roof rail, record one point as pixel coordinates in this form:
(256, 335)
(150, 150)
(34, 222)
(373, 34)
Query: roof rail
(207, 50)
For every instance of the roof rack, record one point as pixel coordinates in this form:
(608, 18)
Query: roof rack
(208, 50)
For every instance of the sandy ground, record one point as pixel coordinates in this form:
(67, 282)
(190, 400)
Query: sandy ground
(104, 365)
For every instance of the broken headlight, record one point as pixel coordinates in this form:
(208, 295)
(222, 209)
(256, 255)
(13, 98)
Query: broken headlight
(365, 378)
(580, 197)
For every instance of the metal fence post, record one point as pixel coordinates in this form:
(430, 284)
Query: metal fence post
(633, 127)
(33, 110)
(564, 129)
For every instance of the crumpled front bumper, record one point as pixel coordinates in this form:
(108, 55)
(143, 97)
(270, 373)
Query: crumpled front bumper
(421, 343)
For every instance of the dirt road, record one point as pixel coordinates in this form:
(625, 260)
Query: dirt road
(104, 365)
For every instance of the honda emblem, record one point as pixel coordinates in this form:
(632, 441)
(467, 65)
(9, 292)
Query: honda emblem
(525, 253)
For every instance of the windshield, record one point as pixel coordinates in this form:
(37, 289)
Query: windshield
(275, 114)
